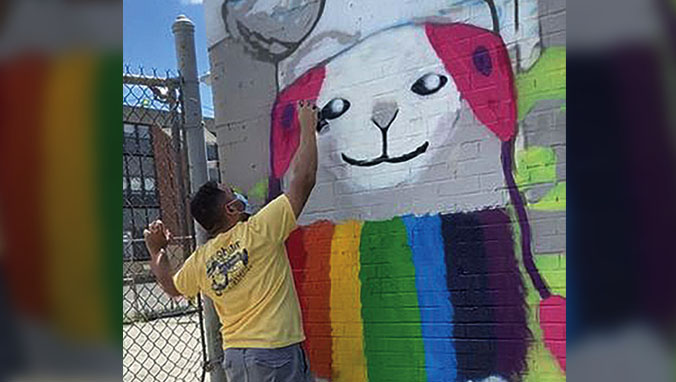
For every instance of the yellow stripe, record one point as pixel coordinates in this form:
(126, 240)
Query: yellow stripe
(73, 263)
(348, 360)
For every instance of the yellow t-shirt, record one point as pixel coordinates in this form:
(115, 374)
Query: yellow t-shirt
(246, 273)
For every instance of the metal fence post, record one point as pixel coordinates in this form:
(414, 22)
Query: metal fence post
(184, 35)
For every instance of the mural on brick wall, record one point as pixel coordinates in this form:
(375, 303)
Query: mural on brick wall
(433, 247)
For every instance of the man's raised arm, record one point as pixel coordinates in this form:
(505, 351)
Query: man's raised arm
(304, 165)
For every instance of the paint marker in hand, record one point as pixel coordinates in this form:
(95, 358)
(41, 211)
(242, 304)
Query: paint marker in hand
(322, 123)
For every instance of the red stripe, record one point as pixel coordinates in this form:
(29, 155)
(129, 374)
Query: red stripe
(21, 103)
(311, 264)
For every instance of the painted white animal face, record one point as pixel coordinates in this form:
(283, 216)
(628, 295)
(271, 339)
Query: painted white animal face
(414, 120)
(386, 103)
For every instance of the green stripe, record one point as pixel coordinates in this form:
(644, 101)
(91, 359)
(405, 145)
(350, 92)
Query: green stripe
(392, 335)
(108, 137)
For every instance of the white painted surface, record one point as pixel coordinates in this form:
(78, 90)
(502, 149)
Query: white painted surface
(344, 23)
(461, 169)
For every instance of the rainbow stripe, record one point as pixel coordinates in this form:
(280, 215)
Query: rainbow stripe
(392, 330)
(431, 298)
(347, 328)
(436, 311)
(60, 140)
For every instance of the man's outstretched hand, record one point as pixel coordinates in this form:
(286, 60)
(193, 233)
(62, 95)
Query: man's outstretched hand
(156, 237)
(308, 115)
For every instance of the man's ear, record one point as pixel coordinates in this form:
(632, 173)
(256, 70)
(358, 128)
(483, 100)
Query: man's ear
(230, 209)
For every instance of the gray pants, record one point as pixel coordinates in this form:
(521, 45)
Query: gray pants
(287, 364)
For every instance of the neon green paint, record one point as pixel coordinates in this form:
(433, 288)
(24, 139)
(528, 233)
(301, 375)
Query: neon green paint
(547, 262)
(554, 200)
(541, 365)
(553, 270)
(535, 165)
(259, 190)
(545, 80)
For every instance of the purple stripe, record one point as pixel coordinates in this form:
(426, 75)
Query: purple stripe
(466, 278)
(506, 294)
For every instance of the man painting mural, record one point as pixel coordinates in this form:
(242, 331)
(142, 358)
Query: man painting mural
(244, 269)
(416, 259)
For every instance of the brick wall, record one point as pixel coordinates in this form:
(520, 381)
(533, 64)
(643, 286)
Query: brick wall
(442, 256)
(169, 192)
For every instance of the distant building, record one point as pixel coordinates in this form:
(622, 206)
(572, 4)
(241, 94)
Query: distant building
(150, 182)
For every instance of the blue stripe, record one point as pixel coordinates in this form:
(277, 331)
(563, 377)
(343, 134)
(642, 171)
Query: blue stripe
(436, 311)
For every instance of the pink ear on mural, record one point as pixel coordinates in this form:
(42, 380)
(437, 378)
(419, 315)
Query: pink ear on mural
(479, 64)
(285, 134)
(553, 325)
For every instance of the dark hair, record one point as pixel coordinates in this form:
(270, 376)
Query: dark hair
(204, 205)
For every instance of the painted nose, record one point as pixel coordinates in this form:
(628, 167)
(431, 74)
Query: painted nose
(384, 113)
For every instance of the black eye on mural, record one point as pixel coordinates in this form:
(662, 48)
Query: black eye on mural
(335, 108)
(429, 84)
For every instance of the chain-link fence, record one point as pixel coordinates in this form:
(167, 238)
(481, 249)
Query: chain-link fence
(162, 337)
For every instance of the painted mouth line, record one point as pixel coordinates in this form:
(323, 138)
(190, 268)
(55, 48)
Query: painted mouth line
(379, 160)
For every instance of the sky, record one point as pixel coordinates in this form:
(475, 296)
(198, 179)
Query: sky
(149, 42)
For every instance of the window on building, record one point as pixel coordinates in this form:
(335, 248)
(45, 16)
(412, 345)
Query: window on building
(127, 222)
(153, 214)
(148, 166)
(141, 201)
(212, 151)
(135, 183)
(134, 165)
(129, 145)
(143, 131)
(129, 130)
(214, 174)
(149, 185)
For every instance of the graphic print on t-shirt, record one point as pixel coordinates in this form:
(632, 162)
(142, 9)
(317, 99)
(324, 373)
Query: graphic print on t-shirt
(227, 267)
